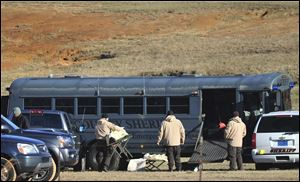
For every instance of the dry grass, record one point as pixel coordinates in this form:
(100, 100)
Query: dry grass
(218, 38)
(211, 172)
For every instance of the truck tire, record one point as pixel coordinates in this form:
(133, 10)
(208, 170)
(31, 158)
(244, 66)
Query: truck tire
(8, 171)
(77, 167)
(56, 170)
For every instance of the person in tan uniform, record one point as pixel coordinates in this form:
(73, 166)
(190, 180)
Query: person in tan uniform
(103, 129)
(234, 133)
(172, 134)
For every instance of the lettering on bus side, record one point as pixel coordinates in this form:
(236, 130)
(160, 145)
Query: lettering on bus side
(139, 129)
(128, 124)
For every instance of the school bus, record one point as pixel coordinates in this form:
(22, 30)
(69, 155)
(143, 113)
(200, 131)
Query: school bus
(139, 104)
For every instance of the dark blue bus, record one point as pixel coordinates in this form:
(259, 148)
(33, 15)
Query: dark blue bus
(140, 103)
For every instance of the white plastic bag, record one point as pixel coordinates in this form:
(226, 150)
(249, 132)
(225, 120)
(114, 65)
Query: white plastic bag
(136, 165)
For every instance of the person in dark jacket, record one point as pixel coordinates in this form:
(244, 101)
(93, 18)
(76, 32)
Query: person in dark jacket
(19, 119)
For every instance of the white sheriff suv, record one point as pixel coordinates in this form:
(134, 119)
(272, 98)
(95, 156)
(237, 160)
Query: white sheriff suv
(275, 140)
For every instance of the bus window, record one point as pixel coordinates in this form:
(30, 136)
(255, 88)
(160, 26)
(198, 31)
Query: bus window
(65, 104)
(87, 105)
(156, 105)
(110, 105)
(180, 105)
(133, 105)
(37, 103)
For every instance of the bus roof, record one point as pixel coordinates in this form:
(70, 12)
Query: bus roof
(151, 85)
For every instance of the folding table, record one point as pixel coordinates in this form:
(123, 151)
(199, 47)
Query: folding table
(152, 164)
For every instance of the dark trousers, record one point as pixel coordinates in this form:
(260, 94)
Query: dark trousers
(107, 152)
(235, 157)
(173, 154)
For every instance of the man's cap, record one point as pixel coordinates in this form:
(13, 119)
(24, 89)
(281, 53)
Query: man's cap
(236, 113)
(17, 111)
(104, 115)
(170, 112)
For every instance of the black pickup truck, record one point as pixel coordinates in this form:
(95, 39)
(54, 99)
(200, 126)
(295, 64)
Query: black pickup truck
(60, 145)
(55, 120)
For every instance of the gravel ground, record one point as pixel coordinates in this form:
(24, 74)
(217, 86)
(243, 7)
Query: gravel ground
(211, 172)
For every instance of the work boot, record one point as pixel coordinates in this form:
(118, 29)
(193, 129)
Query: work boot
(105, 169)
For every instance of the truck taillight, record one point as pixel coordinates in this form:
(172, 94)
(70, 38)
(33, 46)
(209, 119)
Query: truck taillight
(253, 140)
(36, 111)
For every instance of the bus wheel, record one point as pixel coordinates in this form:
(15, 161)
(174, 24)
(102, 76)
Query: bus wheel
(8, 171)
(94, 158)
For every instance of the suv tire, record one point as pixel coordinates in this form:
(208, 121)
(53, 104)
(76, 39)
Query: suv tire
(8, 171)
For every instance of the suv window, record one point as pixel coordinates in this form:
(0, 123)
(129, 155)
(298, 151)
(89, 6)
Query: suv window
(44, 120)
(281, 123)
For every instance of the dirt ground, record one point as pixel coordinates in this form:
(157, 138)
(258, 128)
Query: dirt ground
(218, 38)
(211, 172)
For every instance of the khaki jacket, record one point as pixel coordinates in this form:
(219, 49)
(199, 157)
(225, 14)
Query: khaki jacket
(235, 132)
(171, 132)
(104, 128)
